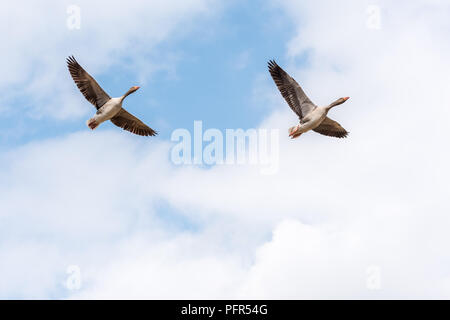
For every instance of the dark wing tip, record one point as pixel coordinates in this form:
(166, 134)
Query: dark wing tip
(71, 61)
(143, 132)
(343, 135)
(151, 133)
(272, 64)
(275, 70)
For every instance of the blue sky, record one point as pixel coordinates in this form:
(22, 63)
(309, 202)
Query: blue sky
(347, 218)
(212, 77)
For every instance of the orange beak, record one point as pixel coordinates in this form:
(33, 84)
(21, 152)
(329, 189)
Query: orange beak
(136, 87)
(346, 98)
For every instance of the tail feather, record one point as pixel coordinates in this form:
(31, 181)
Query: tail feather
(92, 123)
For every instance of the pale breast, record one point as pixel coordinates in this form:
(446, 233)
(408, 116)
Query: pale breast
(109, 109)
(314, 119)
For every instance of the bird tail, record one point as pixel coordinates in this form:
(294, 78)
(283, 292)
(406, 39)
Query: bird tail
(92, 123)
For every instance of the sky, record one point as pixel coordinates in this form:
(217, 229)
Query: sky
(107, 214)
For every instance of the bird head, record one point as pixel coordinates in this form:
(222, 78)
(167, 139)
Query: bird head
(130, 91)
(338, 102)
(342, 100)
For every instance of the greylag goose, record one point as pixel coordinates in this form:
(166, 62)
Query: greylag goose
(311, 116)
(107, 108)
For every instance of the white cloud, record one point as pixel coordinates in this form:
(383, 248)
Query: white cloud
(335, 208)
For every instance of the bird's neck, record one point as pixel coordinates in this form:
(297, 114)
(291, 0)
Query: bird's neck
(126, 95)
(334, 104)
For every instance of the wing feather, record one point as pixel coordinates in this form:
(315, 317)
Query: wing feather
(87, 85)
(127, 121)
(331, 128)
(291, 91)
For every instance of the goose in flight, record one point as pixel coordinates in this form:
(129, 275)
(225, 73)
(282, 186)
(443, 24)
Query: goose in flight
(107, 108)
(311, 116)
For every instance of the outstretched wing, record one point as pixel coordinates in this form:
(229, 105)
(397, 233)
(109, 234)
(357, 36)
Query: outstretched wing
(331, 128)
(127, 121)
(87, 85)
(291, 91)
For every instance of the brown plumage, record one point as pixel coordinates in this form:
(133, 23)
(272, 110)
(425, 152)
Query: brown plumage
(107, 108)
(87, 85)
(291, 90)
(311, 117)
(331, 128)
(127, 121)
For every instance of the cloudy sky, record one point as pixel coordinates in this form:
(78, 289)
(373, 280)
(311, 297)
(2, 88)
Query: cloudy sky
(106, 214)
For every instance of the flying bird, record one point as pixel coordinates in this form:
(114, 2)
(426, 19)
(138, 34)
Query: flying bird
(311, 116)
(107, 108)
